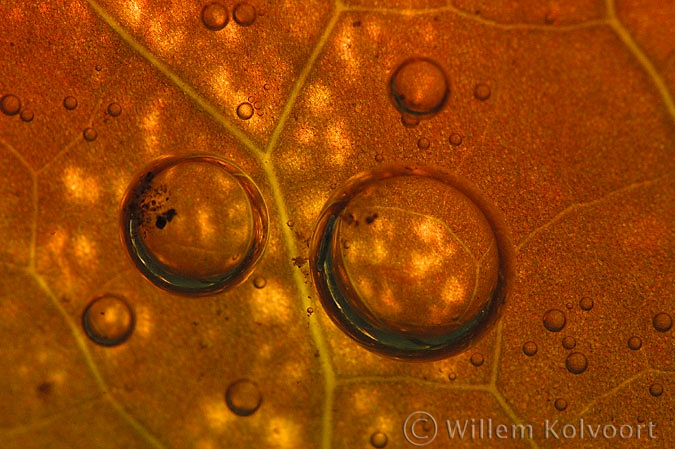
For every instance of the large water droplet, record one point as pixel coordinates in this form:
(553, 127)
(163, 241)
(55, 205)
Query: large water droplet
(634, 343)
(194, 225)
(243, 397)
(379, 440)
(416, 280)
(245, 111)
(662, 322)
(108, 320)
(576, 363)
(554, 320)
(244, 14)
(10, 104)
(529, 348)
(70, 103)
(215, 16)
(419, 87)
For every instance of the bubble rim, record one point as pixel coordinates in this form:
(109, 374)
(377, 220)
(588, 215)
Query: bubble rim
(427, 349)
(105, 342)
(162, 276)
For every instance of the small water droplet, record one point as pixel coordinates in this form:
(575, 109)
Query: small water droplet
(452, 376)
(259, 282)
(569, 342)
(90, 134)
(656, 390)
(586, 303)
(407, 287)
(114, 109)
(560, 404)
(576, 363)
(662, 322)
(10, 104)
(634, 343)
(290, 223)
(194, 225)
(482, 91)
(409, 121)
(108, 320)
(530, 348)
(455, 139)
(245, 111)
(257, 105)
(423, 143)
(244, 14)
(477, 359)
(98, 68)
(569, 306)
(379, 157)
(419, 87)
(267, 87)
(554, 320)
(70, 103)
(243, 397)
(27, 115)
(215, 16)
(379, 440)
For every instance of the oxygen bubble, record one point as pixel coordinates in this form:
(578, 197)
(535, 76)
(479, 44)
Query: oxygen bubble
(245, 111)
(215, 16)
(576, 363)
(244, 14)
(10, 104)
(409, 121)
(379, 157)
(560, 404)
(662, 322)
(477, 359)
(90, 134)
(586, 303)
(455, 139)
(419, 87)
(379, 440)
(70, 103)
(243, 397)
(108, 320)
(529, 348)
(27, 115)
(634, 343)
(569, 342)
(554, 320)
(423, 143)
(194, 225)
(416, 281)
(656, 390)
(482, 91)
(259, 282)
(114, 109)
(452, 376)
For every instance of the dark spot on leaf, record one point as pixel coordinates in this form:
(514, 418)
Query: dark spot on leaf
(45, 388)
(160, 222)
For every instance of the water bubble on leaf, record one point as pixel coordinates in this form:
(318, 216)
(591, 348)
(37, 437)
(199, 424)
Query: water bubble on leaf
(90, 134)
(245, 111)
(70, 103)
(634, 343)
(379, 157)
(455, 139)
(194, 225)
(244, 14)
(477, 359)
(530, 348)
(554, 320)
(423, 143)
(656, 389)
(27, 115)
(576, 363)
(243, 397)
(108, 320)
(560, 404)
(416, 281)
(419, 87)
(482, 91)
(379, 440)
(10, 104)
(452, 376)
(586, 303)
(259, 282)
(569, 342)
(114, 109)
(662, 322)
(215, 16)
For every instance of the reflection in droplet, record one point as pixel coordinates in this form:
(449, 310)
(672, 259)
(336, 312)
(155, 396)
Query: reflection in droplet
(10, 104)
(243, 397)
(634, 343)
(477, 359)
(108, 320)
(194, 225)
(215, 16)
(656, 390)
(90, 134)
(482, 91)
(455, 139)
(586, 303)
(560, 404)
(27, 115)
(114, 109)
(576, 363)
(419, 87)
(244, 14)
(259, 282)
(70, 103)
(245, 111)
(529, 348)
(415, 281)
(554, 320)
(569, 342)
(662, 322)
(379, 439)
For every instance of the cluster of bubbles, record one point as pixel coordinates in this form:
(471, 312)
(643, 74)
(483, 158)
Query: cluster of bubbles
(215, 15)
(11, 105)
